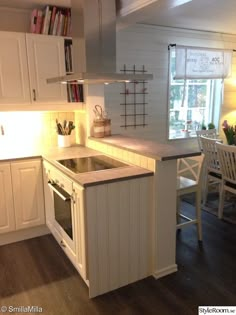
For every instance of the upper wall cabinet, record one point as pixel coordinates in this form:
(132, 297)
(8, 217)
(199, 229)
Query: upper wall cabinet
(14, 80)
(26, 61)
(46, 59)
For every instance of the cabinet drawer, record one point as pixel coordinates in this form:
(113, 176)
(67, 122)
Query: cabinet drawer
(62, 242)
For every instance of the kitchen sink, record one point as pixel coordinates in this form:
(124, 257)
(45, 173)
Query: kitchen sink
(91, 163)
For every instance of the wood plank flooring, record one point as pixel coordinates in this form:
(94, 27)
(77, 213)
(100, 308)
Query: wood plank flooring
(36, 272)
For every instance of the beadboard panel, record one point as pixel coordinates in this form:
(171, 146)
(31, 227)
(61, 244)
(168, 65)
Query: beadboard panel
(123, 154)
(119, 234)
(148, 45)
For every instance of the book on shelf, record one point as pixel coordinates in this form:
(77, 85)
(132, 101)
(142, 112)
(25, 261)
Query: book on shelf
(39, 22)
(54, 30)
(81, 92)
(52, 21)
(46, 21)
(68, 55)
(75, 92)
(33, 21)
(61, 23)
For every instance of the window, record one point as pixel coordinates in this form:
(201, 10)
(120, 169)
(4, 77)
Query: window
(192, 103)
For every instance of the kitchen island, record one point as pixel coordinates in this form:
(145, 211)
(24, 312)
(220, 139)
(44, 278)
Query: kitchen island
(162, 160)
(108, 239)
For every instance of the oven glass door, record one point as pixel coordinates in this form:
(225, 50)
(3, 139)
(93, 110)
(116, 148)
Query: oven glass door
(63, 209)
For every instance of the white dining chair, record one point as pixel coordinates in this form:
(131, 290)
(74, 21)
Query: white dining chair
(189, 173)
(227, 159)
(209, 133)
(211, 171)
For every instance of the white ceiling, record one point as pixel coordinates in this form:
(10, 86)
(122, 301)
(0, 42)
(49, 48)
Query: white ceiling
(206, 15)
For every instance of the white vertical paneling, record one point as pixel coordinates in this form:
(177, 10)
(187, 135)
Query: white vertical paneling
(134, 229)
(114, 202)
(102, 237)
(118, 220)
(92, 239)
(145, 232)
(124, 231)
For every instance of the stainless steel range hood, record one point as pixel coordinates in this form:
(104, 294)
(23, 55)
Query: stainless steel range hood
(94, 45)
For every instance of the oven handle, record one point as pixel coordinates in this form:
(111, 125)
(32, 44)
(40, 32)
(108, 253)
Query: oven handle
(52, 186)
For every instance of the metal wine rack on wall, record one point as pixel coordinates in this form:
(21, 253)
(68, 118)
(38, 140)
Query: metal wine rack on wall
(134, 102)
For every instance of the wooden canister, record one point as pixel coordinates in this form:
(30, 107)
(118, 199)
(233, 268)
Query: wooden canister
(99, 128)
(107, 127)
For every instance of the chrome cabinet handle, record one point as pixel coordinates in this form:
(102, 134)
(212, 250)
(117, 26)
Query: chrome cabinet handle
(52, 186)
(34, 95)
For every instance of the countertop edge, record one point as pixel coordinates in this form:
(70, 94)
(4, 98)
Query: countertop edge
(187, 152)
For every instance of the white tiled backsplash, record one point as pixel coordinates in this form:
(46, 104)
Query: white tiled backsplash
(33, 129)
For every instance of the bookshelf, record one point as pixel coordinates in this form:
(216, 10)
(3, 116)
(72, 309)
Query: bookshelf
(74, 90)
(51, 20)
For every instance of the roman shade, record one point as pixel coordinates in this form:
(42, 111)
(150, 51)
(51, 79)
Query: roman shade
(202, 63)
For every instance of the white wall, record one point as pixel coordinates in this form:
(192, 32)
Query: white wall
(148, 45)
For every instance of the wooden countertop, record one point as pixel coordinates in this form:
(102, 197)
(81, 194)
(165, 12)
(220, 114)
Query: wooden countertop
(152, 149)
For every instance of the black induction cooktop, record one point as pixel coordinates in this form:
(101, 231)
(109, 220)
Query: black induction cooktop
(91, 163)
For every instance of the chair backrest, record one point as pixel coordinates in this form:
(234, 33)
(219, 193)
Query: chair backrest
(227, 159)
(211, 154)
(210, 133)
(191, 167)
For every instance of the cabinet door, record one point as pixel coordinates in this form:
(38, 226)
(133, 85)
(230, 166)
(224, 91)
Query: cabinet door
(14, 80)
(80, 230)
(27, 186)
(7, 219)
(46, 59)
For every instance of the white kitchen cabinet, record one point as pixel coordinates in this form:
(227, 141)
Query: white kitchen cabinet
(46, 59)
(21, 195)
(27, 184)
(14, 79)
(7, 216)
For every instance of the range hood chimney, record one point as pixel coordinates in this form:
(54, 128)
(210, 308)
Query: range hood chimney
(94, 44)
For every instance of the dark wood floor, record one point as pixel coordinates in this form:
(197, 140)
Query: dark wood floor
(36, 272)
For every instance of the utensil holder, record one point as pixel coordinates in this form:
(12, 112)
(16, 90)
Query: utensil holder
(64, 141)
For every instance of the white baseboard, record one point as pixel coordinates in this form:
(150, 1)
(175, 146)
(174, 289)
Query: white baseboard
(165, 271)
(25, 234)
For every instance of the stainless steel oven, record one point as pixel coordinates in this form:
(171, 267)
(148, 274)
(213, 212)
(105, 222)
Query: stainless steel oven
(63, 208)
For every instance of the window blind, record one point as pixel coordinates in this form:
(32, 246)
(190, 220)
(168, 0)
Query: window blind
(202, 63)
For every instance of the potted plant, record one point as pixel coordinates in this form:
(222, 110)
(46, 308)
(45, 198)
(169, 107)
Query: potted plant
(203, 126)
(211, 126)
(230, 132)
